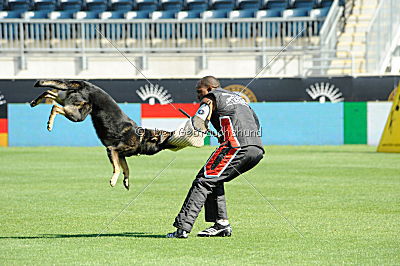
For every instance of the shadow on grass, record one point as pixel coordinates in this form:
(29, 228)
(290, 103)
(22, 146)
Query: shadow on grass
(49, 236)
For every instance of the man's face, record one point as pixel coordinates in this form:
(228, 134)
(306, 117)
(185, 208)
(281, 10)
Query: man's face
(201, 92)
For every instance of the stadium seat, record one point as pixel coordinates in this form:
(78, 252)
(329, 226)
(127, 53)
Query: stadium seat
(163, 30)
(197, 5)
(61, 15)
(215, 30)
(36, 15)
(294, 28)
(146, 5)
(112, 15)
(2, 5)
(71, 5)
(87, 15)
(272, 29)
(326, 3)
(307, 4)
(241, 29)
(96, 5)
(222, 4)
(10, 14)
(121, 5)
(19, 5)
(318, 13)
(271, 13)
(137, 15)
(275, 4)
(215, 14)
(236, 14)
(45, 5)
(189, 30)
(173, 5)
(248, 4)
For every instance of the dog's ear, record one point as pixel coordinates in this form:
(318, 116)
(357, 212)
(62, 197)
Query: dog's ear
(63, 85)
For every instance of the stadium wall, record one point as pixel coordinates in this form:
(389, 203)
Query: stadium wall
(283, 123)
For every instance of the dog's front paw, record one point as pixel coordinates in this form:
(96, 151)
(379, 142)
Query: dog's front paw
(126, 183)
(33, 103)
(49, 126)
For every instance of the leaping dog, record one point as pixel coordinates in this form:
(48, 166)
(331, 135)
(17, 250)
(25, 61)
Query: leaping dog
(117, 132)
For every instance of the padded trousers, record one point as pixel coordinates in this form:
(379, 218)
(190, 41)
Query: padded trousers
(207, 189)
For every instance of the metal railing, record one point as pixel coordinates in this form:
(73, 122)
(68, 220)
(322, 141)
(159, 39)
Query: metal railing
(82, 37)
(382, 35)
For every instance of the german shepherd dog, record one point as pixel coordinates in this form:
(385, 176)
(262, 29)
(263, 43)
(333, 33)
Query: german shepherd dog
(117, 132)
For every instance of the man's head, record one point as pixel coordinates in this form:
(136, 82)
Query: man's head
(205, 85)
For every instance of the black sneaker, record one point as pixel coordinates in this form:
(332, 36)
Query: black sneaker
(216, 230)
(179, 233)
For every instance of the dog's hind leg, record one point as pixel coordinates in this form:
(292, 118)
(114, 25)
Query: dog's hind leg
(114, 159)
(54, 111)
(125, 169)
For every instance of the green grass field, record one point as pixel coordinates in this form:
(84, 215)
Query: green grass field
(345, 200)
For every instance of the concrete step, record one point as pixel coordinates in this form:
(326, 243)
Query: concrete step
(368, 10)
(356, 27)
(352, 37)
(350, 46)
(360, 18)
(347, 54)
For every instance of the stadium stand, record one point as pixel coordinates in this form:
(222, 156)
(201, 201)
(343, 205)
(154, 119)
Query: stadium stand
(197, 25)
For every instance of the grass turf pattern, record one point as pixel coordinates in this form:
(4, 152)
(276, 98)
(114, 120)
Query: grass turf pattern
(345, 200)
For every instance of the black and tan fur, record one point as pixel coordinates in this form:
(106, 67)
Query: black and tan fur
(117, 132)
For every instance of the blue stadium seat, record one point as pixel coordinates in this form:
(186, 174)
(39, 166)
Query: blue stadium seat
(163, 15)
(215, 30)
(137, 15)
(112, 15)
(272, 29)
(2, 5)
(96, 5)
(198, 5)
(71, 5)
(136, 31)
(241, 14)
(36, 15)
(271, 13)
(45, 5)
(188, 14)
(241, 29)
(295, 27)
(222, 4)
(19, 5)
(275, 4)
(173, 5)
(248, 4)
(188, 30)
(87, 15)
(10, 14)
(163, 30)
(215, 14)
(121, 5)
(146, 5)
(61, 15)
(307, 4)
(326, 3)
(318, 13)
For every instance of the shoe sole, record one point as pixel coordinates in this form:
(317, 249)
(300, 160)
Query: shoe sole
(220, 234)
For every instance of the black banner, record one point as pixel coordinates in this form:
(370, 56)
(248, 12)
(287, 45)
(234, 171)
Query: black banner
(335, 89)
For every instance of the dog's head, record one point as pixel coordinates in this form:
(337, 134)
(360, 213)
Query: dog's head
(154, 140)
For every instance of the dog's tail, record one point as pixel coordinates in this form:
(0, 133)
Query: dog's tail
(59, 84)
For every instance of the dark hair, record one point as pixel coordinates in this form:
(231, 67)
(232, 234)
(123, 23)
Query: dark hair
(208, 81)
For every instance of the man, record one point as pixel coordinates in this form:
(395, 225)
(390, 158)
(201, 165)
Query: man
(240, 150)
